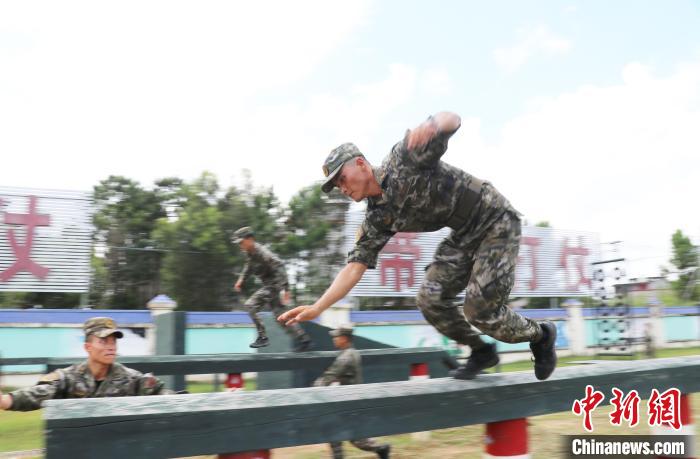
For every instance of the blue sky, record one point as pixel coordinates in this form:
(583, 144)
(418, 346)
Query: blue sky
(585, 114)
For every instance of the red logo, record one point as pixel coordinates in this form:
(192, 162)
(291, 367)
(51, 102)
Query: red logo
(665, 408)
(587, 405)
(626, 408)
(400, 244)
(22, 253)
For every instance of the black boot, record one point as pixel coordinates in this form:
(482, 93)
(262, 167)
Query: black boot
(384, 451)
(262, 341)
(303, 344)
(481, 359)
(543, 350)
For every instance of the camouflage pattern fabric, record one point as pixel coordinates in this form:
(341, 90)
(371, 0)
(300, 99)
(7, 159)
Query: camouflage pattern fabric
(421, 193)
(76, 381)
(270, 296)
(365, 444)
(270, 270)
(267, 267)
(487, 268)
(345, 369)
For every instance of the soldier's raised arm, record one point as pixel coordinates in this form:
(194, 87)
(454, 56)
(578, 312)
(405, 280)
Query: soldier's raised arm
(428, 141)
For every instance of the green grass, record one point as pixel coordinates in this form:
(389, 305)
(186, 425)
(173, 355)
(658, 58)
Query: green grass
(23, 431)
(20, 430)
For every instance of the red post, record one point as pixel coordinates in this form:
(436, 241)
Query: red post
(507, 439)
(419, 371)
(687, 427)
(235, 381)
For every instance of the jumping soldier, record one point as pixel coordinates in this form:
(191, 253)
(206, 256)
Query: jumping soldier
(415, 191)
(261, 262)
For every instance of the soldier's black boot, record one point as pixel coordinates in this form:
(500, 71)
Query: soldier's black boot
(481, 359)
(303, 344)
(543, 350)
(384, 451)
(262, 341)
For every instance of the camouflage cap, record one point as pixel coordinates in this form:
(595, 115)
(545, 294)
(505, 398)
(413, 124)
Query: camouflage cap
(343, 330)
(334, 162)
(242, 233)
(101, 327)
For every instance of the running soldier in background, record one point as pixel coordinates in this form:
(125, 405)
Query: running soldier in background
(415, 191)
(98, 376)
(261, 262)
(347, 369)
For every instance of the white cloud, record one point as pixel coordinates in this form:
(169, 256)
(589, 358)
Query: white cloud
(538, 40)
(306, 133)
(620, 160)
(436, 81)
(89, 89)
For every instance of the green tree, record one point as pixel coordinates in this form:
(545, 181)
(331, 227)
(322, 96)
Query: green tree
(197, 263)
(313, 240)
(685, 258)
(125, 217)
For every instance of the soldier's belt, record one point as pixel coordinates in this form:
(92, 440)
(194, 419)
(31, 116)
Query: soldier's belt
(466, 203)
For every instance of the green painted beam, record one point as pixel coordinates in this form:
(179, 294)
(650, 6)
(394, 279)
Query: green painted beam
(239, 363)
(197, 424)
(24, 361)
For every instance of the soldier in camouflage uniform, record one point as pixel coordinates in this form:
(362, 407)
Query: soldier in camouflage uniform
(347, 369)
(415, 191)
(98, 376)
(270, 270)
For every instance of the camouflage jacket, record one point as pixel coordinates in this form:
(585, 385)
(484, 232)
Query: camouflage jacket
(76, 381)
(346, 369)
(420, 193)
(267, 266)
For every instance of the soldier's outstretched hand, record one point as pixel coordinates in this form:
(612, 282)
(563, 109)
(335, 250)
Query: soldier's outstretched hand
(299, 314)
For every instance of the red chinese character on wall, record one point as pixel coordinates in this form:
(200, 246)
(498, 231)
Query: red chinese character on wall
(23, 261)
(531, 243)
(579, 254)
(399, 246)
(587, 405)
(626, 408)
(665, 408)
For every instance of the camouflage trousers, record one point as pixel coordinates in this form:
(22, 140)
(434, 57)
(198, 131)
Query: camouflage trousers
(365, 444)
(486, 267)
(270, 296)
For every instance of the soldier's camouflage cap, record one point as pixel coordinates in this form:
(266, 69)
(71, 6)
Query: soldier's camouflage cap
(101, 327)
(343, 330)
(334, 162)
(242, 233)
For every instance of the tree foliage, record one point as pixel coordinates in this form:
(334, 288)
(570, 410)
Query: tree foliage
(685, 259)
(176, 239)
(125, 218)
